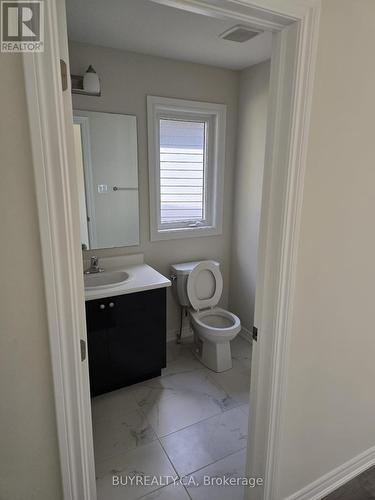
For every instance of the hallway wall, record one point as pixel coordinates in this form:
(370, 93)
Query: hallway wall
(29, 456)
(330, 398)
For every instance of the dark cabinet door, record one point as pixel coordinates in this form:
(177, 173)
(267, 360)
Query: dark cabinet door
(136, 336)
(126, 339)
(97, 315)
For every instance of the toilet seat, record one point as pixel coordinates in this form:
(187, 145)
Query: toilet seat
(216, 324)
(199, 297)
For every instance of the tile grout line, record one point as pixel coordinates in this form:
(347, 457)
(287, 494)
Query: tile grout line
(173, 467)
(204, 466)
(158, 438)
(217, 384)
(215, 462)
(237, 406)
(138, 408)
(200, 468)
(171, 462)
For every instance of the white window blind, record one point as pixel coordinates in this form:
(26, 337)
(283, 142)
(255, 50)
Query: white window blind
(182, 171)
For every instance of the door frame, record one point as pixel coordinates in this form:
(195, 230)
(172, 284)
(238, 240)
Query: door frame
(295, 24)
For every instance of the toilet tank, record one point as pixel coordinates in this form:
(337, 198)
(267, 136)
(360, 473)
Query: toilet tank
(181, 272)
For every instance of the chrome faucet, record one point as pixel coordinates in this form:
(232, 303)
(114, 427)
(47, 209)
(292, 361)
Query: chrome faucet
(94, 266)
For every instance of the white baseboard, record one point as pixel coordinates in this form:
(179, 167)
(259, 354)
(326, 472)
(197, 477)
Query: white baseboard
(246, 334)
(337, 477)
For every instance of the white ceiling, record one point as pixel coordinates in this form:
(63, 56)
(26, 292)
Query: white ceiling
(149, 28)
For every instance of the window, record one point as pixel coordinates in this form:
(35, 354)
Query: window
(186, 160)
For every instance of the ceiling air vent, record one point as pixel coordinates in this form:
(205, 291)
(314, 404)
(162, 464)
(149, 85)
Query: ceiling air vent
(239, 34)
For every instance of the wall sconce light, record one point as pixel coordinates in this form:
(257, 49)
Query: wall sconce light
(91, 81)
(88, 84)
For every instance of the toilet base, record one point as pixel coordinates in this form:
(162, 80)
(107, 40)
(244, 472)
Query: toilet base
(217, 357)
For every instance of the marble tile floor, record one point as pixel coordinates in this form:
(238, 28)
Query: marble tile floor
(177, 428)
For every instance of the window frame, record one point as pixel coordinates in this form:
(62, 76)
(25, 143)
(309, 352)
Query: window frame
(214, 116)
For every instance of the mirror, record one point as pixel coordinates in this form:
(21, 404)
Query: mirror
(107, 164)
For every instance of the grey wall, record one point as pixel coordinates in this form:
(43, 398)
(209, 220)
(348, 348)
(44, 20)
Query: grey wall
(29, 464)
(127, 79)
(252, 118)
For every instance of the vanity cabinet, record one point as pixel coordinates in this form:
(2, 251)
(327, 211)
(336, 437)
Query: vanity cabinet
(126, 339)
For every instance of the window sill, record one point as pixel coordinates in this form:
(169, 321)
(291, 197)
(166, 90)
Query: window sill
(185, 232)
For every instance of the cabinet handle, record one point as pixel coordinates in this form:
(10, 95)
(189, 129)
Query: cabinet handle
(102, 306)
(111, 304)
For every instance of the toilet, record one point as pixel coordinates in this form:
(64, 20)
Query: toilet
(199, 286)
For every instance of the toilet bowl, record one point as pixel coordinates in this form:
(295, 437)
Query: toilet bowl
(199, 285)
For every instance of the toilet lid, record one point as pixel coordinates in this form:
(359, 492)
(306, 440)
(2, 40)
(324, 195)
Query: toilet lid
(204, 285)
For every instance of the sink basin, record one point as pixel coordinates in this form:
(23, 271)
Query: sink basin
(106, 279)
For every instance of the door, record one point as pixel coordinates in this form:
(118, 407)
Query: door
(136, 336)
(97, 314)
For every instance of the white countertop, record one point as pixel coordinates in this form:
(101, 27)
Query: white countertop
(142, 277)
